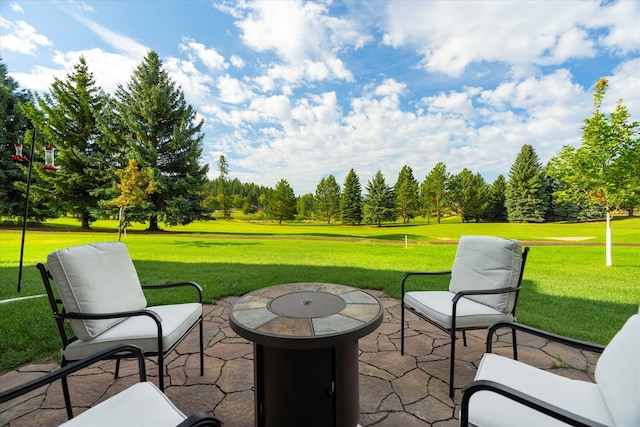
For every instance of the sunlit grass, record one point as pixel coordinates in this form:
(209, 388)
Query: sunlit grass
(567, 288)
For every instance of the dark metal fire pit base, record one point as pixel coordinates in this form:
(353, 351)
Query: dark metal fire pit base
(299, 387)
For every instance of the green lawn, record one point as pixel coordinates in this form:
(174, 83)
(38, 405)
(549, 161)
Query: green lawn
(567, 288)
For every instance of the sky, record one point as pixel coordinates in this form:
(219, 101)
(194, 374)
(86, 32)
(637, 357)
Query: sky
(301, 90)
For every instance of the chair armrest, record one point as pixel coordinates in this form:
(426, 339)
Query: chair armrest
(176, 285)
(5, 396)
(422, 273)
(97, 316)
(582, 345)
(523, 399)
(484, 292)
(201, 419)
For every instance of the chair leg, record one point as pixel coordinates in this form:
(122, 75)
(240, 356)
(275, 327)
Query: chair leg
(117, 373)
(452, 362)
(464, 338)
(402, 328)
(201, 348)
(161, 371)
(515, 345)
(65, 391)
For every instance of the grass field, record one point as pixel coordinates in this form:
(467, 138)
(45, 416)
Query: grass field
(567, 288)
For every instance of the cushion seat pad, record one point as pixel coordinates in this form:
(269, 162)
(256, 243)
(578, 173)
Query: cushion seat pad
(142, 404)
(141, 331)
(470, 314)
(580, 397)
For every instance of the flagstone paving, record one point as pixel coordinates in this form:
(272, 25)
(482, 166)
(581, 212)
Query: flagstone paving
(395, 390)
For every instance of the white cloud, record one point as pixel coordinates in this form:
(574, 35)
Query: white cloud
(122, 43)
(452, 35)
(209, 57)
(21, 37)
(17, 8)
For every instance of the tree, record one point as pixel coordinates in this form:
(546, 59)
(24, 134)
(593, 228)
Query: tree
(433, 192)
(406, 194)
(467, 194)
(282, 202)
(304, 206)
(496, 198)
(13, 125)
(379, 201)
(526, 192)
(66, 116)
(351, 200)
(224, 197)
(605, 169)
(135, 185)
(326, 202)
(163, 135)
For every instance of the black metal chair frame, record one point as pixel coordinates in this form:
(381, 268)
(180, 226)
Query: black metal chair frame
(523, 398)
(451, 331)
(61, 315)
(197, 420)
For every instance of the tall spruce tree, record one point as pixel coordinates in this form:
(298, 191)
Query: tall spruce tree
(326, 202)
(162, 134)
(406, 194)
(379, 201)
(496, 199)
(281, 205)
(66, 116)
(351, 200)
(526, 197)
(224, 194)
(433, 192)
(13, 124)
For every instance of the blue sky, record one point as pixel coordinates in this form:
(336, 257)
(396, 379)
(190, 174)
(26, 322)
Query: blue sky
(300, 90)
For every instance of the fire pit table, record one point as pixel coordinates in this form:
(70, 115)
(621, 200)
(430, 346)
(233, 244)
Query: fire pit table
(305, 339)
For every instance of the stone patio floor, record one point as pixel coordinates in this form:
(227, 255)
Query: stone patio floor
(395, 390)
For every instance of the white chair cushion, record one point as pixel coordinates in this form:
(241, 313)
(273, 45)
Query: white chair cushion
(485, 262)
(140, 405)
(490, 409)
(618, 374)
(470, 314)
(96, 278)
(141, 331)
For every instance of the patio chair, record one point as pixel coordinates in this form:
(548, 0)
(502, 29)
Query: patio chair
(483, 289)
(103, 300)
(506, 392)
(141, 404)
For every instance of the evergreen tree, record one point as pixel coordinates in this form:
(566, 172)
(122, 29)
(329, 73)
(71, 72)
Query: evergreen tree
(406, 193)
(467, 194)
(163, 135)
(66, 116)
(282, 202)
(327, 199)
(224, 196)
(379, 201)
(496, 198)
(351, 200)
(526, 192)
(433, 192)
(304, 206)
(13, 125)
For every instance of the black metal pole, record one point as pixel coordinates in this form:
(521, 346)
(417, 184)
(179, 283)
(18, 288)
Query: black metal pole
(26, 208)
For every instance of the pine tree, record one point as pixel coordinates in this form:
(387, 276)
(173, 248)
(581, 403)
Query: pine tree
(496, 197)
(379, 201)
(224, 195)
(67, 118)
(406, 194)
(351, 200)
(433, 192)
(526, 192)
(467, 194)
(163, 135)
(13, 124)
(282, 202)
(326, 202)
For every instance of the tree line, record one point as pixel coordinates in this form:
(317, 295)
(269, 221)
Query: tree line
(136, 155)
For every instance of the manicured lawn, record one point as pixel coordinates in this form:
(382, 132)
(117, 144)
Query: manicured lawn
(567, 288)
